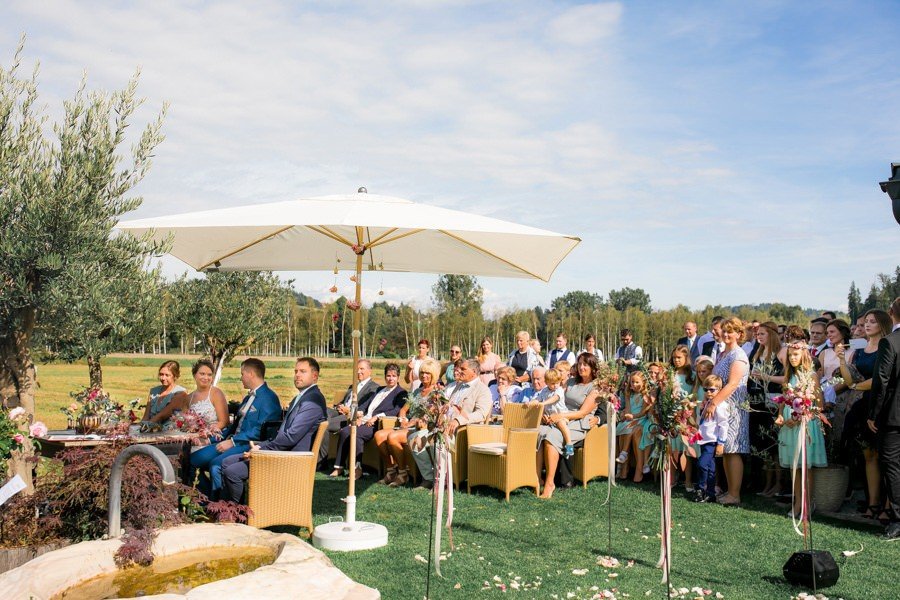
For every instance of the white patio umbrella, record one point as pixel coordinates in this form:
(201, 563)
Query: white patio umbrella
(366, 232)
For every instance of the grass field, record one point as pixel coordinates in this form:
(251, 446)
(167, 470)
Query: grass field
(531, 546)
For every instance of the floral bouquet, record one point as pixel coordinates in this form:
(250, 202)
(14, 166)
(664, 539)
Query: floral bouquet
(429, 410)
(92, 408)
(609, 381)
(14, 433)
(801, 397)
(673, 417)
(191, 422)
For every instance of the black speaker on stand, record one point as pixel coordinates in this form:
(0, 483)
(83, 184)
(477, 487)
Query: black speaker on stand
(812, 568)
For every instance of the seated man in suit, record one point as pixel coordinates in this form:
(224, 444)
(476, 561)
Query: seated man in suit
(301, 421)
(386, 402)
(259, 406)
(337, 414)
(470, 402)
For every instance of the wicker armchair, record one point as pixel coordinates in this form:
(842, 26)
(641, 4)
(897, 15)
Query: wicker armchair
(505, 457)
(371, 457)
(281, 485)
(592, 458)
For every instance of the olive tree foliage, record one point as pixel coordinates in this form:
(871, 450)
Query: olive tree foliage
(61, 194)
(228, 312)
(97, 311)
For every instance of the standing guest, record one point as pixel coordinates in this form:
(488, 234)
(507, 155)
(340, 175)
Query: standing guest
(713, 433)
(536, 346)
(766, 373)
(581, 402)
(537, 384)
(680, 362)
(858, 340)
(799, 366)
(690, 336)
(859, 369)
(523, 359)
(706, 338)
(295, 434)
(829, 315)
(338, 414)
(455, 355)
(781, 331)
(469, 403)
(488, 361)
(561, 352)
(733, 367)
(391, 442)
(590, 346)
(837, 332)
(167, 390)
(260, 405)
(714, 347)
(412, 367)
(750, 336)
(629, 353)
(884, 414)
(818, 341)
(386, 402)
(505, 390)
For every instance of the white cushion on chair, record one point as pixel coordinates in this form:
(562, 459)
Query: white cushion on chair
(495, 448)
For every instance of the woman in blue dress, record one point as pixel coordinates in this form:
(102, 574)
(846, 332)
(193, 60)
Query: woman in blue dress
(799, 370)
(167, 390)
(733, 367)
(680, 362)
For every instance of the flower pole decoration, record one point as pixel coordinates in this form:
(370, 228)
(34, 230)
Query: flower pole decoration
(673, 417)
(609, 380)
(433, 413)
(801, 398)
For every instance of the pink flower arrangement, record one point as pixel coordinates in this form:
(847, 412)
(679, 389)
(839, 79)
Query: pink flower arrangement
(358, 249)
(19, 439)
(353, 305)
(38, 429)
(801, 398)
(333, 289)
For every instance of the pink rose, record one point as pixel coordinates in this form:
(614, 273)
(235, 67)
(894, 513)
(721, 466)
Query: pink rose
(19, 438)
(73, 407)
(16, 413)
(38, 429)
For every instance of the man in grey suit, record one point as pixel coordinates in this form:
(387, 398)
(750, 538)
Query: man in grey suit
(470, 402)
(884, 414)
(337, 414)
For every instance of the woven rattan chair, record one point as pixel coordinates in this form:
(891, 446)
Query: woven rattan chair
(371, 457)
(281, 485)
(592, 458)
(505, 457)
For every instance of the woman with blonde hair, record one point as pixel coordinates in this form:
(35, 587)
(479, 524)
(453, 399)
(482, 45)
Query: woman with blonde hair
(488, 360)
(391, 443)
(733, 367)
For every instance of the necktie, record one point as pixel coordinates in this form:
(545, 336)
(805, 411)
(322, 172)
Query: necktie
(290, 411)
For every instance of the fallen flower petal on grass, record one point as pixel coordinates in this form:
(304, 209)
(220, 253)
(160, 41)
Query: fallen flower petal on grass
(579, 571)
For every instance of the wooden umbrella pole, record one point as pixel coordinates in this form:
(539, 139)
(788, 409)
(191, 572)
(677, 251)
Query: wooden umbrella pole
(351, 467)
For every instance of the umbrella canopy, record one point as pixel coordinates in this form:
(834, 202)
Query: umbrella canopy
(393, 235)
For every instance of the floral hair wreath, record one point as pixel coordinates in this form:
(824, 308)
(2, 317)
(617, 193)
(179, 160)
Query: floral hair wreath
(798, 345)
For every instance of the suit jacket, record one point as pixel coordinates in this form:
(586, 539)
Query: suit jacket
(265, 407)
(300, 423)
(708, 350)
(475, 401)
(390, 406)
(364, 394)
(884, 407)
(683, 341)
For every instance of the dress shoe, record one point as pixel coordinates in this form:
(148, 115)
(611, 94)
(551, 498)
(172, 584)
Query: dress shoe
(425, 485)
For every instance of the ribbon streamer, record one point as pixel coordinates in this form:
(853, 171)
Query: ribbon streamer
(443, 485)
(665, 519)
(800, 457)
(611, 416)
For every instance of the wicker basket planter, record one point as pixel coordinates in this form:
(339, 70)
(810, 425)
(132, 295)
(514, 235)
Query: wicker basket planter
(830, 487)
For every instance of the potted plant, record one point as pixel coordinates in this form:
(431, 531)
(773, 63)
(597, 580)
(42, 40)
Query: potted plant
(93, 410)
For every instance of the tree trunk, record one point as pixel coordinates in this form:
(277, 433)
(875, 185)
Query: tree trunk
(95, 372)
(19, 372)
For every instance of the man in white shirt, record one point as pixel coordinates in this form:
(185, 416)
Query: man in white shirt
(706, 338)
(337, 414)
(561, 352)
(690, 336)
(537, 384)
(629, 353)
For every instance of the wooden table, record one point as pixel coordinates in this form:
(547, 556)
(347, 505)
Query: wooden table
(58, 440)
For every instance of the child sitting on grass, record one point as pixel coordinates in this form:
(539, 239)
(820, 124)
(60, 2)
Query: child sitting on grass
(553, 399)
(713, 433)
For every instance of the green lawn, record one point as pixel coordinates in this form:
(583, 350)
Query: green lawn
(538, 544)
(736, 552)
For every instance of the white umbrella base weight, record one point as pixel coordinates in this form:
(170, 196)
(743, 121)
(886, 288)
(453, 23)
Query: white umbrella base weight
(347, 537)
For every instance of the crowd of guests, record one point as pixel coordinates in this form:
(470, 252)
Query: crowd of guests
(734, 371)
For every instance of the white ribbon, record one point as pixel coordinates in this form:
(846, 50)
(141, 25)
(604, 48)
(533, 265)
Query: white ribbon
(800, 457)
(443, 483)
(611, 449)
(665, 519)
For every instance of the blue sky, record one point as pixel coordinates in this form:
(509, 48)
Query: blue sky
(722, 152)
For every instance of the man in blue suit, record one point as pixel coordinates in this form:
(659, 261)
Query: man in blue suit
(259, 406)
(296, 433)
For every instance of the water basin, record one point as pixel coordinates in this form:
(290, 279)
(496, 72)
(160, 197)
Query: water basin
(176, 573)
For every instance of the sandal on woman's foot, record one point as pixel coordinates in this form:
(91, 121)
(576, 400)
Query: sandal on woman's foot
(870, 511)
(622, 458)
(337, 472)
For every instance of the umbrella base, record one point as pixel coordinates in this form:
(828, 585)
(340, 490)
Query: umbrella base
(347, 537)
